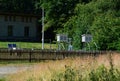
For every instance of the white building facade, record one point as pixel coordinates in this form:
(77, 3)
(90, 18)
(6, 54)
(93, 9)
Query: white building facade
(18, 27)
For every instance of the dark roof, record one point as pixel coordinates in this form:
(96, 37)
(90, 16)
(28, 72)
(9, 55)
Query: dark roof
(20, 14)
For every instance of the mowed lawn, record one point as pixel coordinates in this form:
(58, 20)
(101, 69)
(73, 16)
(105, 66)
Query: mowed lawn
(28, 45)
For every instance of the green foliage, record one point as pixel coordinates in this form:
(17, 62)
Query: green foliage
(100, 74)
(118, 44)
(80, 23)
(70, 74)
(2, 79)
(101, 18)
(104, 74)
(31, 79)
(105, 31)
(57, 12)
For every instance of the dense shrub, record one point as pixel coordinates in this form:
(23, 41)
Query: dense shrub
(2, 79)
(104, 74)
(70, 74)
(100, 74)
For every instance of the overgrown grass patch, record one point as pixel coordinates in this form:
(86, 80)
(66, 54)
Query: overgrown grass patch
(100, 74)
(85, 68)
(2, 79)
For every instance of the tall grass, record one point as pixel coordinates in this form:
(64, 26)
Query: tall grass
(85, 68)
(101, 73)
(2, 79)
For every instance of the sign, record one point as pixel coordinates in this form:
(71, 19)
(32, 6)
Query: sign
(86, 38)
(62, 38)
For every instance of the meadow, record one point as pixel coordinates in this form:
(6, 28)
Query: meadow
(103, 67)
(28, 45)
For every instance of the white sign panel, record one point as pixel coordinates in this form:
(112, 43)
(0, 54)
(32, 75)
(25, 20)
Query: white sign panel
(62, 38)
(86, 38)
(83, 38)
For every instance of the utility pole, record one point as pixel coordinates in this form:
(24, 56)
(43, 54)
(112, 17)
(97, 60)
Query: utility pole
(42, 28)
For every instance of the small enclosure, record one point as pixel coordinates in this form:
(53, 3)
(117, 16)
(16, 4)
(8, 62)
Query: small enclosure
(86, 38)
(62, 38)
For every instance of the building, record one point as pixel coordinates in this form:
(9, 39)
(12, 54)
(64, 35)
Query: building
(19, 27)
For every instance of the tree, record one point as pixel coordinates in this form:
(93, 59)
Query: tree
(57, 12)
(80, 23)
(106, 25)
(105, 30)
(99, 18)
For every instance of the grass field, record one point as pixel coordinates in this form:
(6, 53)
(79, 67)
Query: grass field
(28, 45)
(86, 68)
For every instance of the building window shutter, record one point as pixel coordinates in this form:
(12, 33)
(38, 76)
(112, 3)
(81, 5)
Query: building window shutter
(10, 30)
(26, 31)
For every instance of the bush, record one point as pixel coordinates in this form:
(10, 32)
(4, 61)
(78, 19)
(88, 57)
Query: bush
(2, 79)
(100, 74)
(70, 74)
(104, 74)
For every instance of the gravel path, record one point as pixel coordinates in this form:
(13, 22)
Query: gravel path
(5, 70)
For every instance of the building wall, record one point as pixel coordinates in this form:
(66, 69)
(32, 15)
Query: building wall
(18, 27)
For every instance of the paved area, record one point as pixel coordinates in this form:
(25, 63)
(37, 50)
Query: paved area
(5, 70)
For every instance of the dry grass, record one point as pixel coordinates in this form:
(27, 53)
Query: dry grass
(43, 71)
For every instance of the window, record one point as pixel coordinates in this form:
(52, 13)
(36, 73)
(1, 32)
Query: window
(6, 18)
(10, 30)
(14, 18)
(27, 19)
(22, 19)
(10, 18)
(26, 31)
(30, 19)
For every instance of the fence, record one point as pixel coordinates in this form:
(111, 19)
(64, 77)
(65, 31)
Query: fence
(37, 54)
